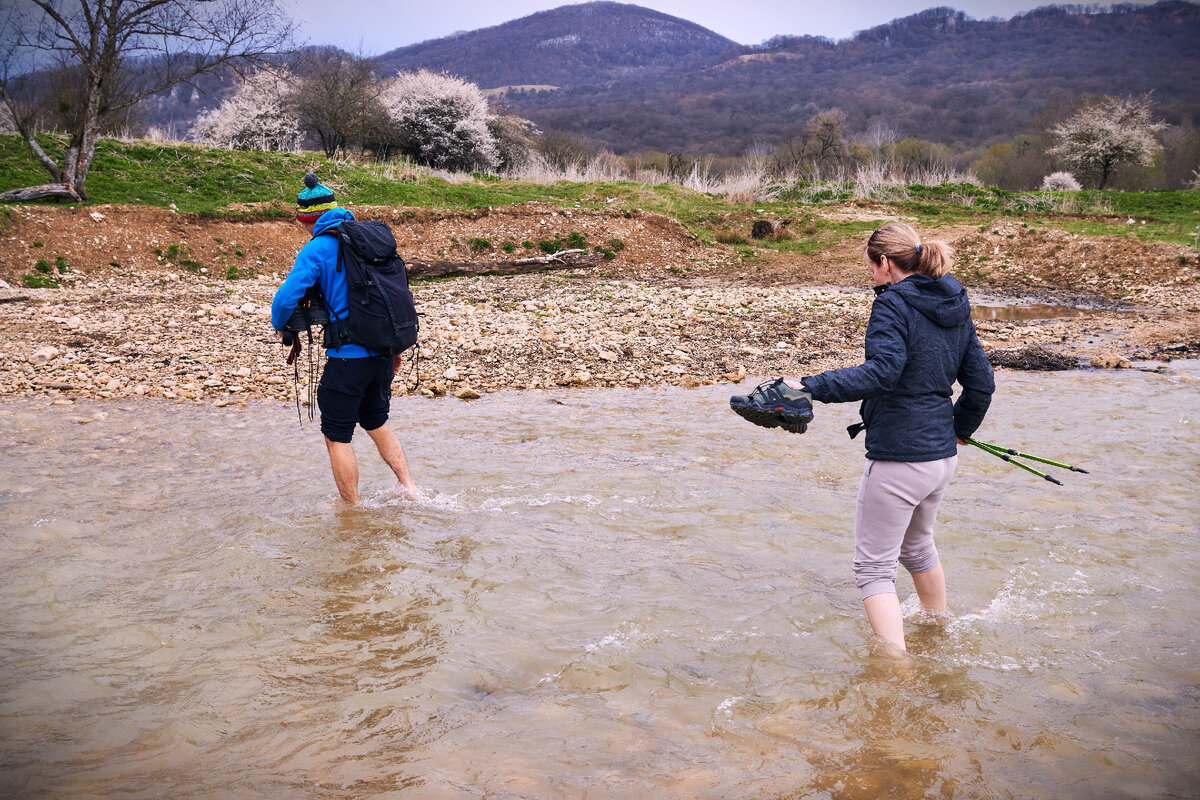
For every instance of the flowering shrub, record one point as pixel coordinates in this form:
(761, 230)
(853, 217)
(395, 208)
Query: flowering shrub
(441, 121)
(259, 116)
(1060, 182)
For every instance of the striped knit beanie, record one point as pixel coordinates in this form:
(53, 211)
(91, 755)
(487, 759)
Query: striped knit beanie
(314, 200)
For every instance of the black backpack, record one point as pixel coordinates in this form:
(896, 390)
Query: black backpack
(381, 313)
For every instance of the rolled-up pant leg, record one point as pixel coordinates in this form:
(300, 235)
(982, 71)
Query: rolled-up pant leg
(897, 504)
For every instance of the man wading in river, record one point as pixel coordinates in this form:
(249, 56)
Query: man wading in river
(356, 384)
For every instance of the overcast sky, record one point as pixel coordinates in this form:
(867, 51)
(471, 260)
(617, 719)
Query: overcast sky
(376, 26)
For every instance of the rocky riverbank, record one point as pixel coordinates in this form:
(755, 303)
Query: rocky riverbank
(666, 311)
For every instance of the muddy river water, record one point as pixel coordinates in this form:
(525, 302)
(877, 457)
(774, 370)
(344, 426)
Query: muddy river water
(604, 594)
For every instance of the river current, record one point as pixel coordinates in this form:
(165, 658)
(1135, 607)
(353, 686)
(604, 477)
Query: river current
(602, 594)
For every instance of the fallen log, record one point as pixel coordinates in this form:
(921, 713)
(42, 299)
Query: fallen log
(564, 259)
(53, 191)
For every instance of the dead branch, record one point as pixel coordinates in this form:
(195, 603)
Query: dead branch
(53, 191)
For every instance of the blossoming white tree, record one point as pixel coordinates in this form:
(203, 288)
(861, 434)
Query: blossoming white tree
(259, 116)
(441, 121)
(1098, 139)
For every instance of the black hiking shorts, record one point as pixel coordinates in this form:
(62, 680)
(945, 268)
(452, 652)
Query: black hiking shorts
(354, 391)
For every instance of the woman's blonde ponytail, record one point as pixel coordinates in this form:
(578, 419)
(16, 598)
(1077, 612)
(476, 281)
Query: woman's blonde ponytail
(902, 246)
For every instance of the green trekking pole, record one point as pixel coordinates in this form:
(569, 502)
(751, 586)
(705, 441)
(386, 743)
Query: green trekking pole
(1028, 457)
(1014, 462)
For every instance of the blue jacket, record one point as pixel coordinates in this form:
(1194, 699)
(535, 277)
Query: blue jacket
(920, 340)
(317, 262)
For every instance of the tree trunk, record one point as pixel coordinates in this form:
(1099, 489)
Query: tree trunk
(90, 140)
(454, 269)
(51, 191)
(83, 150)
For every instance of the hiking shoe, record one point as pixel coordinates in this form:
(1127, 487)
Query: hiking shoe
(774, 404)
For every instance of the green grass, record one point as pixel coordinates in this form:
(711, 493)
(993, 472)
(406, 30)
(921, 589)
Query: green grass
(251, 184)
(31, 281)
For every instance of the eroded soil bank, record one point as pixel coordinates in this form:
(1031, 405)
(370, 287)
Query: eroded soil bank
(161, 304)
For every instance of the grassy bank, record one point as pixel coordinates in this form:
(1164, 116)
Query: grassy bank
(221, 182)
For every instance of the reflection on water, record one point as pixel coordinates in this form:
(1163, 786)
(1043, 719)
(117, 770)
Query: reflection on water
(1035, 311)
(628, 594)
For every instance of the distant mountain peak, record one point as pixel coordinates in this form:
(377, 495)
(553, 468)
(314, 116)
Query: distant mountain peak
(591, 43)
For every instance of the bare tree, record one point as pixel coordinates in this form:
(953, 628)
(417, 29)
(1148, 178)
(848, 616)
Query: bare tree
(1098, 139)
(338, 97)
(820, 143)
(826, 137)
(882, 134)
(563, 151)
(515, 139)
(97, 42)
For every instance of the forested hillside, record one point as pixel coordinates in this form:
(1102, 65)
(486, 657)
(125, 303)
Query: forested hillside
(937, 75)
(631, 79)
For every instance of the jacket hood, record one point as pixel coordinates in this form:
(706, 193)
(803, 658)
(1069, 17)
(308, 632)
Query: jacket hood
(331, 219)
(942, 301)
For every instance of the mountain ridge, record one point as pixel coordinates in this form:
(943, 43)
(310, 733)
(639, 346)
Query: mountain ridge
(576, 44)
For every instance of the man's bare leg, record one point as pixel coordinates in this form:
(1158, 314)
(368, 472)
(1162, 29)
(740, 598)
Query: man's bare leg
(393, 453)
(345, 469)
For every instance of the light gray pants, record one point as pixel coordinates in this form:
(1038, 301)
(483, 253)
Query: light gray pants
(897, 501)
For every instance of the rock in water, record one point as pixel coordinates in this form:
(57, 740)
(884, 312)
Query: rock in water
(1111, 361)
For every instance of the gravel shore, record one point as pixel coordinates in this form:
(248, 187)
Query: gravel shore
(666, 311)
(175, 337)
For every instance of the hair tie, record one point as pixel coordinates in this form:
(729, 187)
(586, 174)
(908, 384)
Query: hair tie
(918, 248)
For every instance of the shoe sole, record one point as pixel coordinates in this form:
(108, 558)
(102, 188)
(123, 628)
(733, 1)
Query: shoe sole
(771, 417)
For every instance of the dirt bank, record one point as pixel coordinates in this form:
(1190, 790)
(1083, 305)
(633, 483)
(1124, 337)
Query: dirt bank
(148, 306)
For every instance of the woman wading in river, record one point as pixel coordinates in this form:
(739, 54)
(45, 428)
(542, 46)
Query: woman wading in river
(919, 341)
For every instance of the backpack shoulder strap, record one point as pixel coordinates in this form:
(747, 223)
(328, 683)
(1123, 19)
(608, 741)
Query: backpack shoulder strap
(335, 232)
